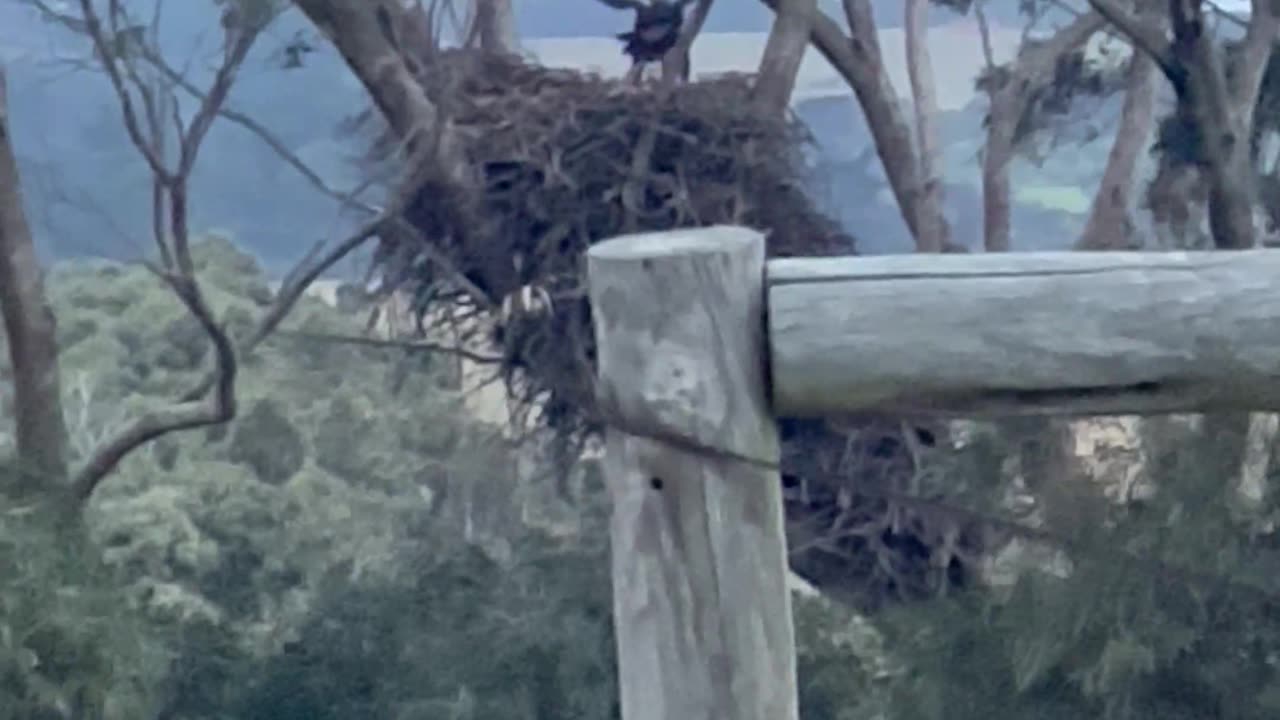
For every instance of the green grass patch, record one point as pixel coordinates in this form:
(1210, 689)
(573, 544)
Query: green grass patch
(1066, 198)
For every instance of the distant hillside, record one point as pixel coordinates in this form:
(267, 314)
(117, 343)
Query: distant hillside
(588, 18)
(87, 191)
(956, 46)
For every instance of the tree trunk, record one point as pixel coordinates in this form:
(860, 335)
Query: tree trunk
(676, 63)
(1110, 224)
(1009, 100)
(859, 61)
(1221, 111)
(496, 23)
(1176, 199)
(997, 155)
(1204, 99)
(783, 53)
(374, 37)
(934, 232)
(31, 330)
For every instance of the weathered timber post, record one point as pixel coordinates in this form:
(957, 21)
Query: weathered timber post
(702, 612)
(1054, 333)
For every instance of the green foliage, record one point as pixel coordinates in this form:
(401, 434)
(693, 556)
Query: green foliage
(265, 441)
(66, 640)
(197, 531)
(320, 557)
(455, 634)
(1066, 198)
(840, 662)
(1167, 610)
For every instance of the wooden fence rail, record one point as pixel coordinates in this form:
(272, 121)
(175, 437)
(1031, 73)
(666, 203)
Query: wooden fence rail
(697, 336)
(1027, 333)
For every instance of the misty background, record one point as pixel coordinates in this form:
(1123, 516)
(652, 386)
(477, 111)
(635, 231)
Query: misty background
(88, 191)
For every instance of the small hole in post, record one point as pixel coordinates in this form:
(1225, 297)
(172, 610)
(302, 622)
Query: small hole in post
(655, 483)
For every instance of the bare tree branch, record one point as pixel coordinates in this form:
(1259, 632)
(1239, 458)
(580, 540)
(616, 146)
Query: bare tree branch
(171, 187)
(1150, 39)
(292, 290)
(407, 345)
(676, 63)
(984, 32)
(218, 408)
(859, 62)
(262, 132)
(783, 53)
(1010, 96)
(93, 28)
(367, 35)
(1221, 112)
(311, 268)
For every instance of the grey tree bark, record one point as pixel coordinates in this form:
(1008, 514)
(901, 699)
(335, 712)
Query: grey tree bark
(1221, 108)
(31, 331)
(1110, 225)
(783, 53)
(934, 231)
(1009, 99)
(496, 24)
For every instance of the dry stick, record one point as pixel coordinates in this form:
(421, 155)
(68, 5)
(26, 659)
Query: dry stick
(676, 63)
(180, 276)
(306, 273)
(633, 194)
(93, 27)
(211, 104)
(182, 416)
(190, 413)
(289, 294)
(266, 136)
(406, 345)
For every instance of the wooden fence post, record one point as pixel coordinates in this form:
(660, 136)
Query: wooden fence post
(702, 612)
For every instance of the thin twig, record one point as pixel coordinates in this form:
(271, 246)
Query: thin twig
(179, 270)
(265, 135)
(406, 345)
(219, 408)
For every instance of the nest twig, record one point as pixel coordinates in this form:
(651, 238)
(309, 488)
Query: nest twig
(568, 159)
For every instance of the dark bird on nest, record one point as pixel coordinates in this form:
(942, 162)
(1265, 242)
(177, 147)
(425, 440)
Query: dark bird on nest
(656, 31)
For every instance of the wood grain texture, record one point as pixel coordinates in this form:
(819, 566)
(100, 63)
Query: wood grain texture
(1026, 334)
(701, 608)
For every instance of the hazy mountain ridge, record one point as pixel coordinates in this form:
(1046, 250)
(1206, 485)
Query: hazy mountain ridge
(87, 190)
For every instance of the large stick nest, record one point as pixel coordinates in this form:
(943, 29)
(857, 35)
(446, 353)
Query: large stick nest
(566, 159)
(569, 159)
